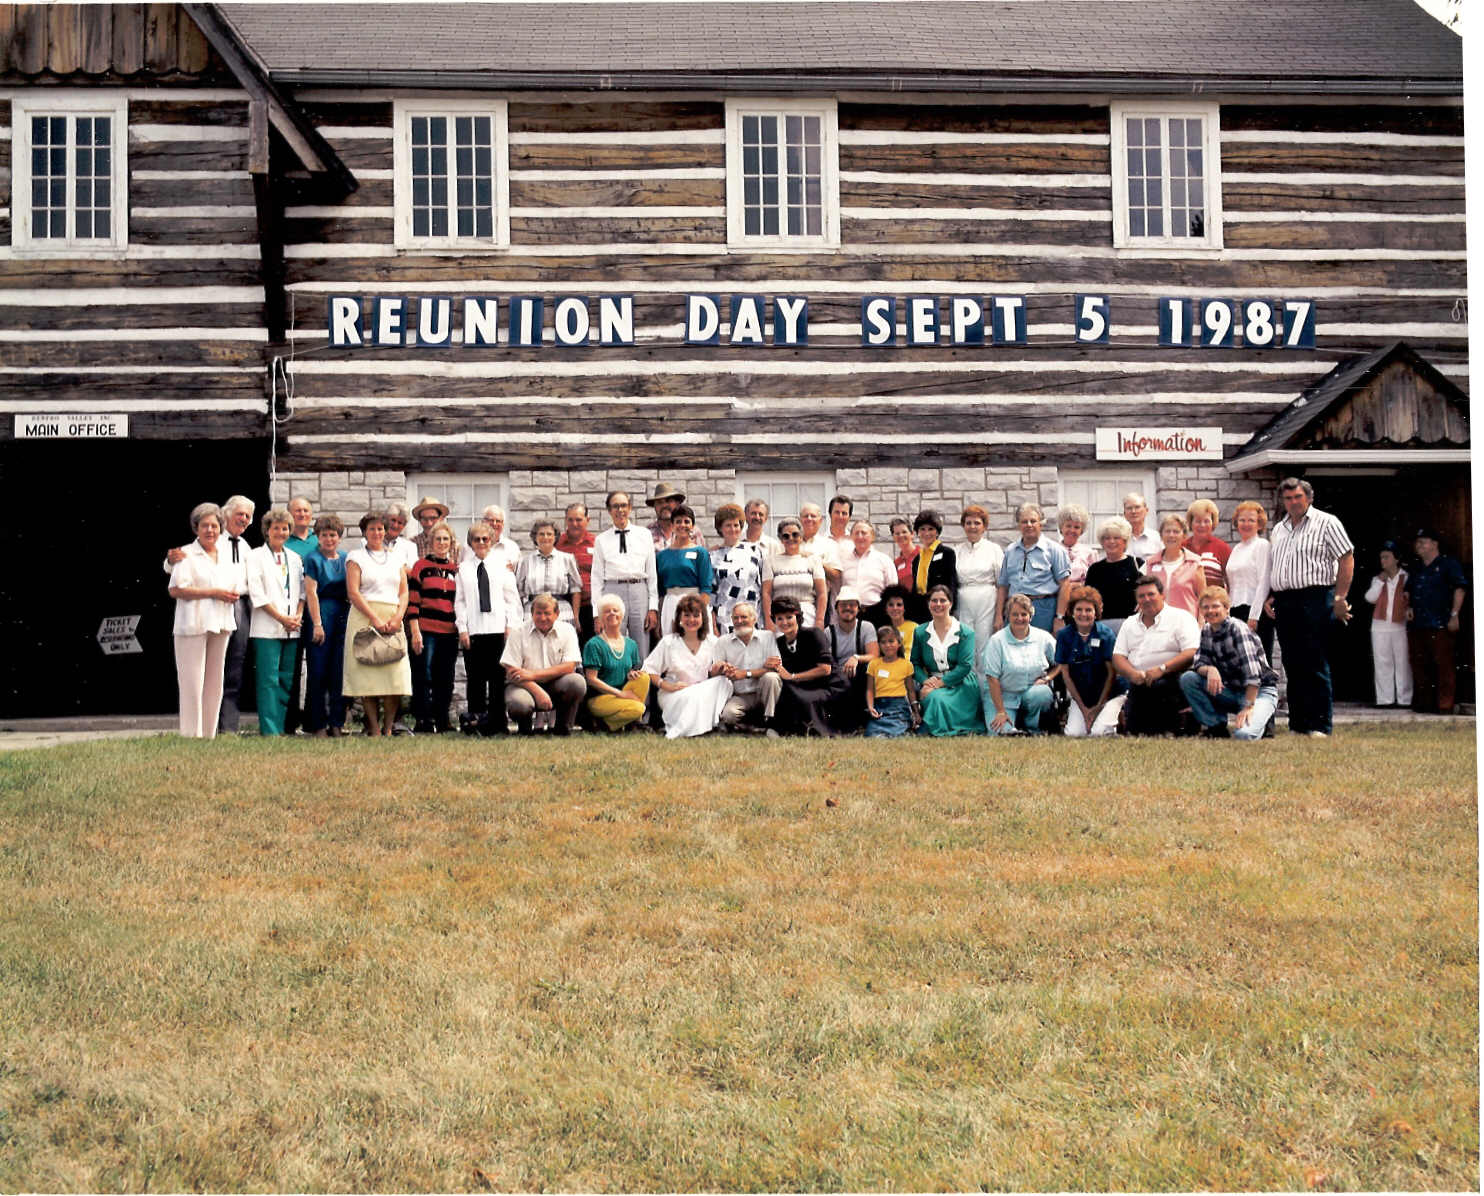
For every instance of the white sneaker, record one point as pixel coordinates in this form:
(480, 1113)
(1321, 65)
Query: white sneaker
(1318, 734)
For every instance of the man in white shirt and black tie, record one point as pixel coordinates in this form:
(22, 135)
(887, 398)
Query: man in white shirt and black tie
(623, 565)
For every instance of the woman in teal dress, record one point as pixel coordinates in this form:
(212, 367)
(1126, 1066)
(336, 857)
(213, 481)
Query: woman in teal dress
(943, 665)
(683, 568)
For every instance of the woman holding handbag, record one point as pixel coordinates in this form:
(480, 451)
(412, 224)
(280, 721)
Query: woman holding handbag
(376, 666)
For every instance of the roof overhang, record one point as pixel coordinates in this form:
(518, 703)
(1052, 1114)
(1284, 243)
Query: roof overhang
(817, 81)
(1311, 457)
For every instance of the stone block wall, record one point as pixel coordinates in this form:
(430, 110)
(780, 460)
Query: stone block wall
(879, 493)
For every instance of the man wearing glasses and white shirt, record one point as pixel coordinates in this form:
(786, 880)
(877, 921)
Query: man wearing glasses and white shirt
(623, 565)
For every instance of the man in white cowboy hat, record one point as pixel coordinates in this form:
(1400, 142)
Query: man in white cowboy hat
(428, 514)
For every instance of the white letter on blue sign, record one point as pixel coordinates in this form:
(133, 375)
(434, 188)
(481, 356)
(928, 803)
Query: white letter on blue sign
(525, 321)
(390, 317)
(790, 320)
(747, 320)
(967, 324)
(570, 321)
(434, 333)
(481, 322)
(702, 319)
(1008, 317)
(616, 320)
(922, 320)
(878, 320)
(345, 321)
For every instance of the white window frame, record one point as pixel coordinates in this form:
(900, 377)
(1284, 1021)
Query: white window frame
(1136, 477)
(403, 111)
(1210, 116)
(436, 485)
(748, 483)
(829, 167)
(71, 103)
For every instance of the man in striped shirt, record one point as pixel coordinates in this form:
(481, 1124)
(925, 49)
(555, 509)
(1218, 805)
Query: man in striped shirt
(1313, 563)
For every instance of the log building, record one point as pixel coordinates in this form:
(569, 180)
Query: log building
(921, 253)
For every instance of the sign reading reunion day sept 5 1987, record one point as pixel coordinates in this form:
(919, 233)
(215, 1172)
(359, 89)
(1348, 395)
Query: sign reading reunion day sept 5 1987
(886, 321)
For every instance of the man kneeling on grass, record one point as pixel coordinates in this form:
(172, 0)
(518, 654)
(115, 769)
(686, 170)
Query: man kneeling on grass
(1231, 672)
(1153, 648)
(541, 662)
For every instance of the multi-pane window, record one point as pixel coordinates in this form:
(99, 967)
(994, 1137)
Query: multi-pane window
(69, 173)
(1102, 491)
(1166, 177)
(466, 495)
(782, 173)
(784, 493)
(451, 176)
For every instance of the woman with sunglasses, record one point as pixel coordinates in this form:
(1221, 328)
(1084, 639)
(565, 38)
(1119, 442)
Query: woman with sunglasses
(797, 577)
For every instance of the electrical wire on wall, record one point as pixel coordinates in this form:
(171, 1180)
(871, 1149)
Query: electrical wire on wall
(279, 372)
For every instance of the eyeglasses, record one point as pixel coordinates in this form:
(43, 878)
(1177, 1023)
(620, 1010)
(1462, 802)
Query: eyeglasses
(790, 535)
(479, 539)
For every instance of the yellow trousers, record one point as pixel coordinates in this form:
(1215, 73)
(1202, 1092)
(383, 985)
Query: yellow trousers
(618, 713)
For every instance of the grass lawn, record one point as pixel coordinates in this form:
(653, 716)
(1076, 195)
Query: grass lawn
(733, 964)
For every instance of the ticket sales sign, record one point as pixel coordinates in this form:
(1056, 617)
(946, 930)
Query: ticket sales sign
(69, 426)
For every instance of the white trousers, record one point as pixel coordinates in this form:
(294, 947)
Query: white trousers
(1106, 722)
(1393, 665)
(200, 661)
(975, 608)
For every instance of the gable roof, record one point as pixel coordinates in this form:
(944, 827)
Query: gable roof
(1112, 45)
(1338, 386)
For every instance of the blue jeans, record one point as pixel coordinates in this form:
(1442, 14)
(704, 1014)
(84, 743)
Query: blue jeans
(1210, 710)
(439, 655)
(1034, 701)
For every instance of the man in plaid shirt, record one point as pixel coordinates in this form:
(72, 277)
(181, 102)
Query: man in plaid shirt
(1230, 673)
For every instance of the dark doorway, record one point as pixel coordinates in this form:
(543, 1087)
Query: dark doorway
(98, 554)
(1392, 504)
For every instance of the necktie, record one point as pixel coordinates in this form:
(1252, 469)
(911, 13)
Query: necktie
(484, 589)
(623, 540)
(235, 540)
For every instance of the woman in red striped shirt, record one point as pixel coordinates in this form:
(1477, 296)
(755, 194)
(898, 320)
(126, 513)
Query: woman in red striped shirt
(431, 585)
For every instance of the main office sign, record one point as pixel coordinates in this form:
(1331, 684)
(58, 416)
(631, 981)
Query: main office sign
(782, 321)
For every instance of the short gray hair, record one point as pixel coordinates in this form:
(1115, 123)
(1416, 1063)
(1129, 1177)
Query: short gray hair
(752, 607)
(396, 510)
(608, 600)
(1020, 511)
(865, 523)
(1115, 525)
(275, 515)
(494, 511)
(239, 502)
(1296, 484)
(1133, 496)
(203, 509)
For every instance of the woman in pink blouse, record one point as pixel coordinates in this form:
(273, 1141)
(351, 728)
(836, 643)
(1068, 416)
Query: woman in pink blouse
(1179, 568)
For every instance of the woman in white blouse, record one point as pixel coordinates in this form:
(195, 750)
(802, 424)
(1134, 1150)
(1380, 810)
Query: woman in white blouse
(977, 564)
(1388, 595)
(1247, 572)
(205, 617)
(690, 698)
(376, 584)
(275, 584)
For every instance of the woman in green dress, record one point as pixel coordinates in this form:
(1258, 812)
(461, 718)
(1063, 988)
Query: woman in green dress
(943, 665)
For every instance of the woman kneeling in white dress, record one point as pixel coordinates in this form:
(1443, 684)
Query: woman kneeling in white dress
(690, 698)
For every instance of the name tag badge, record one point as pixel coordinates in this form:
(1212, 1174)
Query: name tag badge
(690, 556)
(1094, 643)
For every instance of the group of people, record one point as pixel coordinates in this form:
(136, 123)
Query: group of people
(804, 628)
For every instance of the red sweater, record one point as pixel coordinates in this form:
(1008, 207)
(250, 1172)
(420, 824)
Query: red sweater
(430, 588)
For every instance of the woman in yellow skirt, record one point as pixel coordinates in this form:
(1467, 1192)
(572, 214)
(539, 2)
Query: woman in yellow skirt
(376, 584)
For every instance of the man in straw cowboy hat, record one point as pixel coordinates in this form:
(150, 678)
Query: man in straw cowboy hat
(664, 501)
(429, 513)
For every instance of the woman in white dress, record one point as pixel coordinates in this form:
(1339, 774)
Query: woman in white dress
(690, 698)
(205, 617)
(977, 566)
(376, 585)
